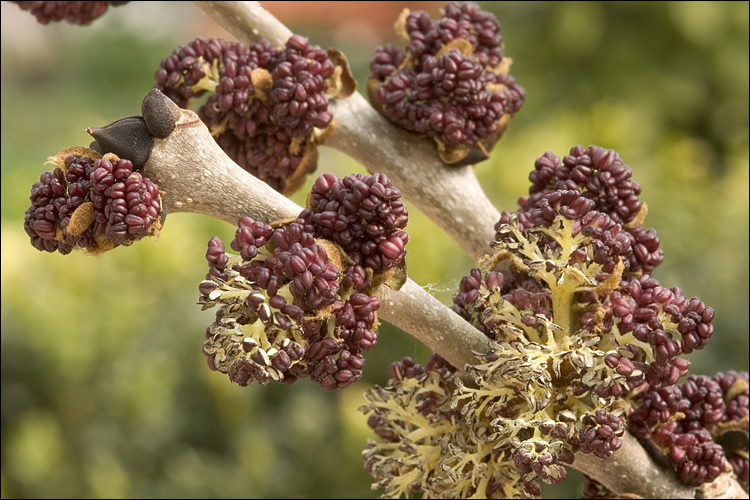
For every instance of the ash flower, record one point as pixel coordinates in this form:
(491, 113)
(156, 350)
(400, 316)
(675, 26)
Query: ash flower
(265, 102)
(450, 83)
(599, 175)
(577, 331)
(700, 426)
(92, 203)
(293, 304)
(80, 13)
(365, 215)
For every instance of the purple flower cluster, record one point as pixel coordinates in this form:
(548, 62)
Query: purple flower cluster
(538, 462)
(81, 13)
(687, 423)
(265, 100)
(653, 315)
(593, 190)
(600, 434)
(523, 292)
(365, 215)
(89, 203)
(599, 175)
(571, 272)
(583, 219)
(465, 21)
(292, 305)
(450, 82)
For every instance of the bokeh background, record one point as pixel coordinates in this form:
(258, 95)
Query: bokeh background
(105, 391)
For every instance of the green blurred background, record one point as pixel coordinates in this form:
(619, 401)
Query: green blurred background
(105, 391)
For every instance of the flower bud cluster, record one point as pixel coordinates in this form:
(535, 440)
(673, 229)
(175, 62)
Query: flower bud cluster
(696, 425)
(265, 101)
(363, 214)
(451, 82)
(577, 333)
(81, 13)
(294, 304)
(92, 203)
(599, 175)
